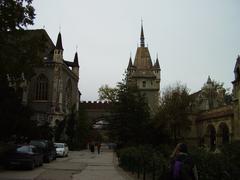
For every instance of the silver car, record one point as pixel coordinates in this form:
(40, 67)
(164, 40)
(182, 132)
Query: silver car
(61, 149)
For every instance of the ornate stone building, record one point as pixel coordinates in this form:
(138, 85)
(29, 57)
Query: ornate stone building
(53, 90)
(145, 75)
(216, 118)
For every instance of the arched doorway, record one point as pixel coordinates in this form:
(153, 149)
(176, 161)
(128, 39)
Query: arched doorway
(223, 133)
(211, 137)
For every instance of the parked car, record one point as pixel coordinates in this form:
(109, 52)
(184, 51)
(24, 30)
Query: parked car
(62, 149)
(48, 149)
(24, 156)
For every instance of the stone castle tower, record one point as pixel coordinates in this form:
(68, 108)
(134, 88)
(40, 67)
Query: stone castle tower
(146, 76)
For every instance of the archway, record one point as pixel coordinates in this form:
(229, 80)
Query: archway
(223, 133)
(211, 137)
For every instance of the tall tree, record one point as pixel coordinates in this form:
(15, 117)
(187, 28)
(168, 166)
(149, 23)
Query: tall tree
(19, 53)
(107, 93)
(15, 118)
(174, 111)
(19, 50)
(16, 14)
(74, 129)
(129, 123)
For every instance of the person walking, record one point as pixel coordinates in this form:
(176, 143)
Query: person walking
(182, 166)
(99, 147)
(92, 147)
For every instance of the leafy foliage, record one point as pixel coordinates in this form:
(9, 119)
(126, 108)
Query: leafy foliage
(107, 93)
(223, 165)
(74, 129)
(20, 50)
(232, 162)
(173, 112)
(15, 118)
(16, 14)
(144, 161)
(129, 123)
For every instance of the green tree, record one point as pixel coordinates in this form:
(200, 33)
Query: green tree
(15, 118)
(173, 114)
(74, 129)
(16, 14)
(129, 123)
(20, 50)
(107, 93)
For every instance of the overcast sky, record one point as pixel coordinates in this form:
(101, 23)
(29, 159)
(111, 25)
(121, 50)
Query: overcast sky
(193, 38)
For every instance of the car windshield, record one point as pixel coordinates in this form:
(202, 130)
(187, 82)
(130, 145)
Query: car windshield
(23, 149)
(59, 145)
(38, 143)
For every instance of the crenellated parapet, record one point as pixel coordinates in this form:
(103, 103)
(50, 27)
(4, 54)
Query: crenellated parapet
(98, 105)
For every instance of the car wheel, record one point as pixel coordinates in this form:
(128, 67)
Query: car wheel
(41, 162)
(32, 165)
(48, 159)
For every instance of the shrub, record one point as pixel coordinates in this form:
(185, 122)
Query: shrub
(142, 160)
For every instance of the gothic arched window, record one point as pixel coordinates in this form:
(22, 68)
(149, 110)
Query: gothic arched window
(41, 88)
(69, 94)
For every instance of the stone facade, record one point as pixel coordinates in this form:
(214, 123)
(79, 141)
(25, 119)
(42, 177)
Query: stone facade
(53, 90)
(216, 118)
(144, 75)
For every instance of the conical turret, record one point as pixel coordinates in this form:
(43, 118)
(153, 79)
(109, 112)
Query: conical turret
(129, 63)
(75, 62)
(75, 67)
(156, 65)
(59, 42)
(58, 51)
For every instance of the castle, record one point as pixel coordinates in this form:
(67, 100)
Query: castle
(53, 90)
(144, 75)
(215, 119)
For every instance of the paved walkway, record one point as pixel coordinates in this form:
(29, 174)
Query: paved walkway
(102, 167)
(79, 165)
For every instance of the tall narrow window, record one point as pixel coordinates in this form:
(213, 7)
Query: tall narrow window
(41, 88)
(69, 94)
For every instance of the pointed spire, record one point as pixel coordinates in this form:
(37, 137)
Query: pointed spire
(156, 65)
(59, 42)
(142, 36)
(130, 63)
(209, 80)
(75, 62)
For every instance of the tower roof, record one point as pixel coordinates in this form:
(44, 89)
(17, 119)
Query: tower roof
(156, 65)
(59, 42)
(142, 37)
(130, 63)
(75, 62)
(142, 59)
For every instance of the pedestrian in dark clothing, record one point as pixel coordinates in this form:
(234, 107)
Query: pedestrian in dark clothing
(92, 148)
(182, 165)
(98, 147)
